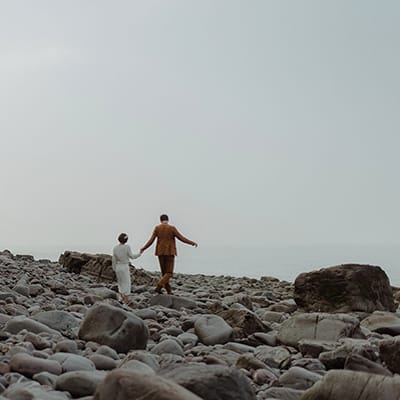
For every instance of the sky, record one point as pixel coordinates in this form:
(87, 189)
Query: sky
(248, 122)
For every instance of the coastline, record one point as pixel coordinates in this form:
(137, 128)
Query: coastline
(283, 262)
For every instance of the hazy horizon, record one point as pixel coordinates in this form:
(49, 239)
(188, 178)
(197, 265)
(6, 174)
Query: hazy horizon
(250, 123)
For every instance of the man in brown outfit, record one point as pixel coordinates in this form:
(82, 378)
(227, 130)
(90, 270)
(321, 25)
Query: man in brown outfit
(165, 250)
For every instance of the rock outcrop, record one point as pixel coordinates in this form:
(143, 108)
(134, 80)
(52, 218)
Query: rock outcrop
(99, 266)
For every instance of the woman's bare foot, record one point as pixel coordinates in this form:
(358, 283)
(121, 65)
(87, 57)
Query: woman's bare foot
(125, 299)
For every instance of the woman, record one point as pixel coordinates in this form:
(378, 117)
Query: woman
(120, 264)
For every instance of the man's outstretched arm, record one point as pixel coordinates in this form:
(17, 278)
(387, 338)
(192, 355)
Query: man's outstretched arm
(183, 239)
(149, 242)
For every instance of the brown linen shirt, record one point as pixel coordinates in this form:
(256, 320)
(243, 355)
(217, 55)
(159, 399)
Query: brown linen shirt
(166, 235)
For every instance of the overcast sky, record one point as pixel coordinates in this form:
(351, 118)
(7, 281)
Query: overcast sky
(248, 122)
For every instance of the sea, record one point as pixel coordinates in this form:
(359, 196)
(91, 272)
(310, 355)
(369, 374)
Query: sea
(284, 262)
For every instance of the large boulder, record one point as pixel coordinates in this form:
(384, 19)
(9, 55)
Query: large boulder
(114, 327)
(124, 384)
(212, 329)
(339, 385)
(212, 382)
(319, 326)
(344, 288)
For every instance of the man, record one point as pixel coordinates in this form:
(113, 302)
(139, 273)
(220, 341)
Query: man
(165, 250)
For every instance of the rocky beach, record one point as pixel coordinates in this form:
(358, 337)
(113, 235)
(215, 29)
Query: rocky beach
(331, 334)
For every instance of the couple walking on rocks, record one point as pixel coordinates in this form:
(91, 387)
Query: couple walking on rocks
(165, 251)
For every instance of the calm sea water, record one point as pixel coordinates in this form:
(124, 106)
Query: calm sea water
(283, 262)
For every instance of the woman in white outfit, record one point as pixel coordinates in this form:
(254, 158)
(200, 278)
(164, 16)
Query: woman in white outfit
(120, 263)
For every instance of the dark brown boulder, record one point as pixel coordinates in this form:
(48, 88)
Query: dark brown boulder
(344, 288)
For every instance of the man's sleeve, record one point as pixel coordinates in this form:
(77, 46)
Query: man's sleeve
(182, 238)
(150, 241)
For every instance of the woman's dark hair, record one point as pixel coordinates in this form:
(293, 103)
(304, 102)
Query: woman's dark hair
(123, 238)
(163, 217)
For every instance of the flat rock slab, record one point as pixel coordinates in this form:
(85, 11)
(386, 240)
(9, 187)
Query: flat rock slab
(319, 326)
(339, 385)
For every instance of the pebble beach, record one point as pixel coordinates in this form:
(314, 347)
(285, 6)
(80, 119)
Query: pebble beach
(65, 335)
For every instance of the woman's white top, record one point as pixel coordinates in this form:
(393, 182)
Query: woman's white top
(122, 253)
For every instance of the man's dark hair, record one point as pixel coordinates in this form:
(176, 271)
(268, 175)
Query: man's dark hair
(164, 217)
(123, 238)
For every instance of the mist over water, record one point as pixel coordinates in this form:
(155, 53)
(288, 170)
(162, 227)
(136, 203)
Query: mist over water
(281, 261)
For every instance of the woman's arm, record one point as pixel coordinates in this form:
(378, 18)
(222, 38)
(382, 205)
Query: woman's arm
(131, 255)
(114, 260)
